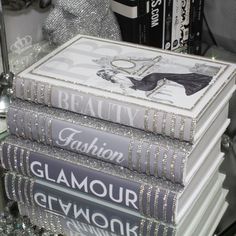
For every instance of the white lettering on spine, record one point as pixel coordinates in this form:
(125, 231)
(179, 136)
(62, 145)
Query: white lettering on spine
(47, 174)
(83, 184)
(99, 108)
(131, 198)
(69, 137)
(99, 188)
(111, 193)
(62, 178)
(37, 171)
(101, 185)
(155, 12)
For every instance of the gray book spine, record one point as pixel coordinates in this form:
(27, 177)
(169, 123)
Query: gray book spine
(142, 117)
(124, 146)
(152, 201)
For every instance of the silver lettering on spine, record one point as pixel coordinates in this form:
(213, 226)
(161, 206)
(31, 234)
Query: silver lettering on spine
(87, 104)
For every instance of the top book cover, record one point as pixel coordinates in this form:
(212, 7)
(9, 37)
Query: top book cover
(158, 91)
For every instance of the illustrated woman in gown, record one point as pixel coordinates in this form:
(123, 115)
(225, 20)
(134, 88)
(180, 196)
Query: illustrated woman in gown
(192, 82)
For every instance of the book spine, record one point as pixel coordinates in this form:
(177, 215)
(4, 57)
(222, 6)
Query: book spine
(36, 193)
(117, 224)
(168, 24)
(131, 16)
(144, 21)
(185, 24)
(131, 151)
(127, 17)
(195, 26)
(155, 121)
(157, 23)
(176, 24)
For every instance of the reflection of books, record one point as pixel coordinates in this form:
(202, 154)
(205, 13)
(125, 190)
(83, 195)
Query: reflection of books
(68, 79)
(102, 220)
(134, 149)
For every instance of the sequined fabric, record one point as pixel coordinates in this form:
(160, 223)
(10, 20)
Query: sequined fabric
(71, 17)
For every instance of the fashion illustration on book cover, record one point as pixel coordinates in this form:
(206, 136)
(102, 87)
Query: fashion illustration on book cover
(142, 73)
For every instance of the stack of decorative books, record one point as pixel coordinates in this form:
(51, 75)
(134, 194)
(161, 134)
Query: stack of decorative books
(121, 138)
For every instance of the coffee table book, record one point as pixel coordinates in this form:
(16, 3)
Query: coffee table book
(95, 219)
(134, 149)
(149, 196)
(163, 92)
